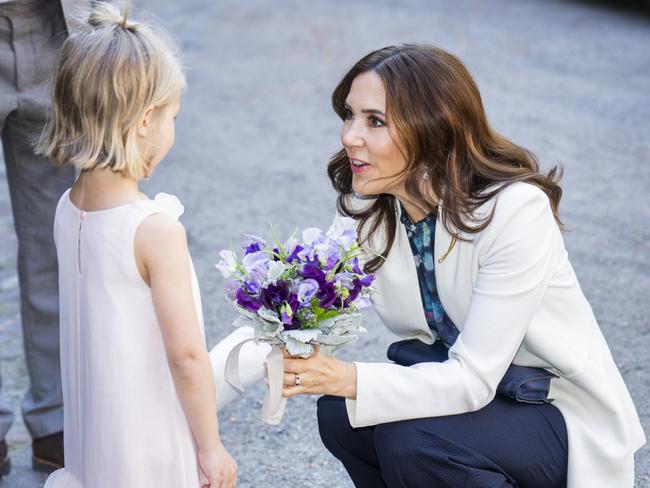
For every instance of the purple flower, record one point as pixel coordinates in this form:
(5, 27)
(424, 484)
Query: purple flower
(276, 253)
(326, 294)
(293, 325)
(249, 303)
(254, 247)
(288, 311)
(312, 270)
(294, 254)
(253, 244)
(274, 295)
(252, 287)
(354, 292)
(356, 268)
(366, 280)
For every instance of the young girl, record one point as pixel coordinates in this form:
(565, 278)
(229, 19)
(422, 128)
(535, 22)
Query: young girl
(137, 382)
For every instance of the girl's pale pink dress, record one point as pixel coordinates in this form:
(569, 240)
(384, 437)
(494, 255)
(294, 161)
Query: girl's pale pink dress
(124, 425)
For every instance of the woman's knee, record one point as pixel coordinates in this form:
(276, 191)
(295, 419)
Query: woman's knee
(333, 423)
(413, 453)
(394, 442)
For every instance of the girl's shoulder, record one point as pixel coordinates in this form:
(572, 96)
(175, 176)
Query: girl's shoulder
(159, 222)
(160, 238)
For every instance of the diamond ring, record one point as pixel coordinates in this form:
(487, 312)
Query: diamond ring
(298, 380)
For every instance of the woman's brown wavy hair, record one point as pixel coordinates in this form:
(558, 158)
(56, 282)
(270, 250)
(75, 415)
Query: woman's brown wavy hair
(437, 112)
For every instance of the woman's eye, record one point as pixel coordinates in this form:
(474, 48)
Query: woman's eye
(347, 114)
(375, 122)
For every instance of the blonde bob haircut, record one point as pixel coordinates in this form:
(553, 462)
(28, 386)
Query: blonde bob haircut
(106, 76)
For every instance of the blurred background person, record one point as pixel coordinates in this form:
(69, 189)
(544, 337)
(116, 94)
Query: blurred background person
(31, 32)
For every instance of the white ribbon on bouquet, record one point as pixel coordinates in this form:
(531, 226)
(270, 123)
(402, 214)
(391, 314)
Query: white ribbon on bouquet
(274, 403)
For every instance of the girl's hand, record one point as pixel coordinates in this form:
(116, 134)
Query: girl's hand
(321, 374)
(218, 467)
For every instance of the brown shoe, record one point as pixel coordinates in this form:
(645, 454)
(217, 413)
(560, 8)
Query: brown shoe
(47, 453)
(5, 462)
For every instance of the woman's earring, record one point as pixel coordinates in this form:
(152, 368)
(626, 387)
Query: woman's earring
(426, 175)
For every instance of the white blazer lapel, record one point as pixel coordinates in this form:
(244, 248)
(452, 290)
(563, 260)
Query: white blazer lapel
(397, 298)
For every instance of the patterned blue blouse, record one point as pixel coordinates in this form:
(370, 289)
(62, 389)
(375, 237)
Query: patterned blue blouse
(421, 237)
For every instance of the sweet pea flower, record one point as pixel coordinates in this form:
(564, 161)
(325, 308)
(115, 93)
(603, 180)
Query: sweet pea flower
(255, 261)
(253, 243)
(252, 287)
(328, 252)
(311, 238)
(345, 279)
(247, 302)
(366, 280)
(231, 290)
(356, 267)
(292, 247)
(228, 263)
(288, 313)
(276, 268)
(354, 292)
(274, 294)
(311, 269)
(326, 294)
(344, 231)
(306, 290)
(295, 254)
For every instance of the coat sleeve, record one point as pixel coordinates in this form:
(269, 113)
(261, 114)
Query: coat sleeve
(518, 252)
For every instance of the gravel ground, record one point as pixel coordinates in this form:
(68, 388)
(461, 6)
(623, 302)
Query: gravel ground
(568, 79)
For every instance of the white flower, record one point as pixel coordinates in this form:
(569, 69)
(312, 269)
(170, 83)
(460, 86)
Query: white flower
(275, 271)
(312, 236)
(344, 231)
(255, 261)
(228, 263)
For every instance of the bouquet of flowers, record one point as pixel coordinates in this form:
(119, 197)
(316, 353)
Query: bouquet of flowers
(296, 295)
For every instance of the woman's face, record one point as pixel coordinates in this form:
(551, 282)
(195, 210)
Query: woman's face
(369, 140)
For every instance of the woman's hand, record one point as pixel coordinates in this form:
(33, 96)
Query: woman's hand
(321, 374)
(218, 467)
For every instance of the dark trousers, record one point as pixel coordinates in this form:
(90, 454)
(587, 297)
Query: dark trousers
(505, 444)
